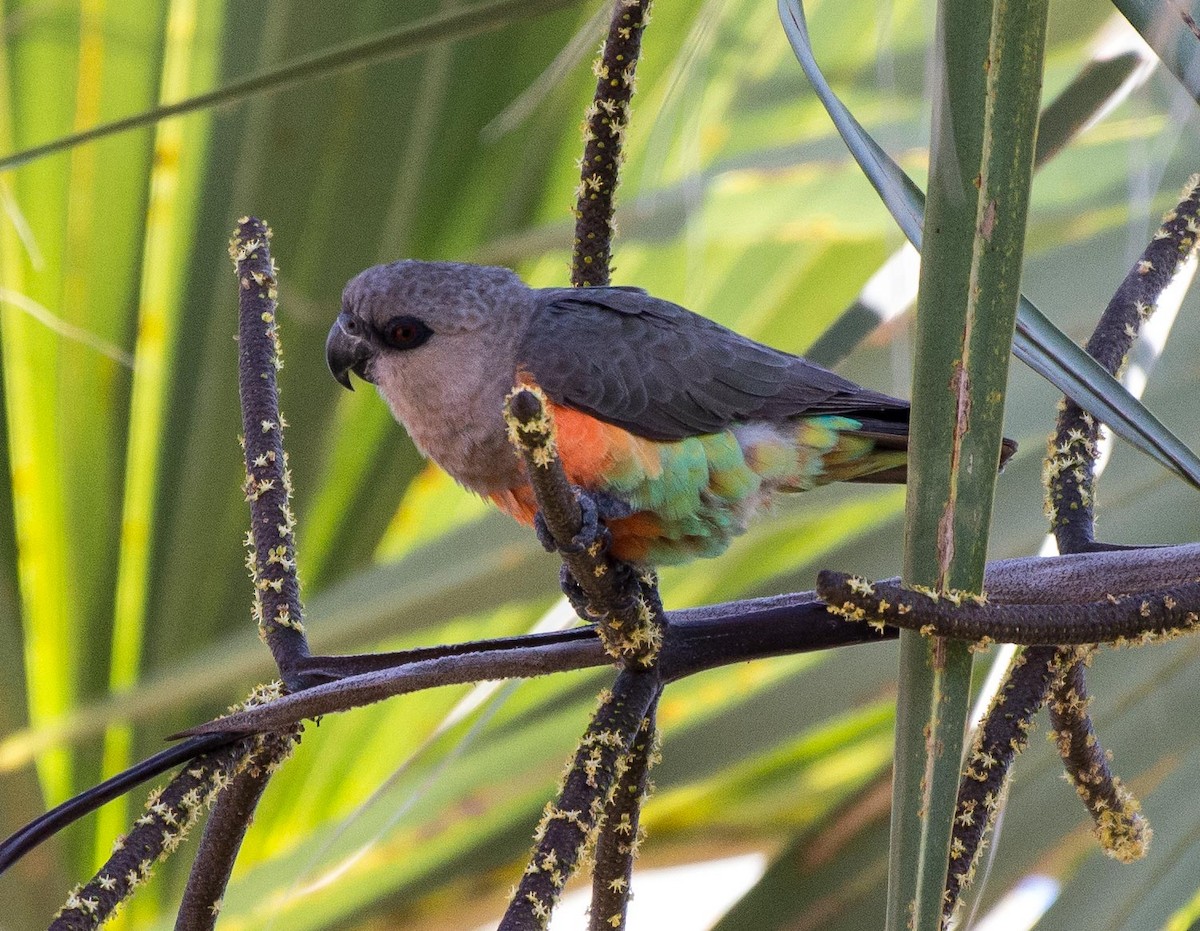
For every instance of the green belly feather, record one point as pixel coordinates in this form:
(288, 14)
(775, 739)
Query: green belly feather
(707, 487)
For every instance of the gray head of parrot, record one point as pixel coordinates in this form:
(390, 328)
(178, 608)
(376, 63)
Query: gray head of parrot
(390, 310)
(439, 340)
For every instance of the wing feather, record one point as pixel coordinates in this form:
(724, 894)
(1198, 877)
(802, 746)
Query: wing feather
(665, 373)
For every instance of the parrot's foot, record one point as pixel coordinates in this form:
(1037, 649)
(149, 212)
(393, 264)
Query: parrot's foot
(591, 531)
(545, 537)
(625, 583)
(575, 595)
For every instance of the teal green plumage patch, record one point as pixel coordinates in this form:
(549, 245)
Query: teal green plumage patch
(709, 486)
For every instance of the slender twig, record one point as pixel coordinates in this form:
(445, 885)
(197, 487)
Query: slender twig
(1118, 822)
(1130, 620)
(697, 639)
(1003, 734)
(1070, 463)
(370, 687)
(20, 842)
(619, 837)
(604, 134)
(1058, 675)
(225, 829)
(1070, 479)
(271, 560)
(714, 635)
(272, 556)
(170, 813)
(568, 824)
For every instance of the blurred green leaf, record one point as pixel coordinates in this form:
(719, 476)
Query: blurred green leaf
(1170, 29)
(1039, 343)
(738, 200)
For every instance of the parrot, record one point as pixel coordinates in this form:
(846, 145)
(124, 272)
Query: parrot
(679, 429)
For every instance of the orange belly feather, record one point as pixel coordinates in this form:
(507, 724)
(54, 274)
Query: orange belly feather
(589, 448)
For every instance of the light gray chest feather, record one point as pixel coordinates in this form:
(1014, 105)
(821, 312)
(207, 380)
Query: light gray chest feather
(462, 431)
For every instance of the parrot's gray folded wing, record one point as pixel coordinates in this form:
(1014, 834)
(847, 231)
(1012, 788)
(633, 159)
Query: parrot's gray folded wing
(665, 373)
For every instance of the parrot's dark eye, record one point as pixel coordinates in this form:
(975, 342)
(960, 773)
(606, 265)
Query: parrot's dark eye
(406, 332)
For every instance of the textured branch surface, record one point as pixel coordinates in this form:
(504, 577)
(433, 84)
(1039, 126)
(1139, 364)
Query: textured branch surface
(1070, 476)
(700, 638)
(20, 842)
(568, 825)
(230, 818)
(621, 833)
(272, 556)
(625, 604)
(1003, 734)
(1126, 621)
(604, 136)
(1070, 480)
(171, 812)
(1119, 824)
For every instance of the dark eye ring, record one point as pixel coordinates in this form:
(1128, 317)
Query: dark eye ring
(406, 332)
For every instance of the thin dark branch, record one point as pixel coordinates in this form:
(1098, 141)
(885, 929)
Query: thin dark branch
(230, 818)
(170, 814)
(334, 668)
(697, 639)
(1003, 734)
(568, 825)
(1118, 822)
(604, 137)
(715, 635)
(16, 845)
(621, 833)
(1070, 502)
(1130, 620)
(370, 687)
(272, 556)
(1070, 464)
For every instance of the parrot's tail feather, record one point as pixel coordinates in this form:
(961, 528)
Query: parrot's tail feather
(854, 449)
(1007, 449)
(687, 498)
(898, 474)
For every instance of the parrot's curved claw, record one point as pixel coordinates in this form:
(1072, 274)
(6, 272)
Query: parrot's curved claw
(591, 530)
(575, 594)
(545, 537)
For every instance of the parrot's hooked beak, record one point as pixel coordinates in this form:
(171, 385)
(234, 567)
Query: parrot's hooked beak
(346, 351)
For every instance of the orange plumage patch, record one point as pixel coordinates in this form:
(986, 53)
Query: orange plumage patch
(633, 536)
(516, 502)
(591, 449)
